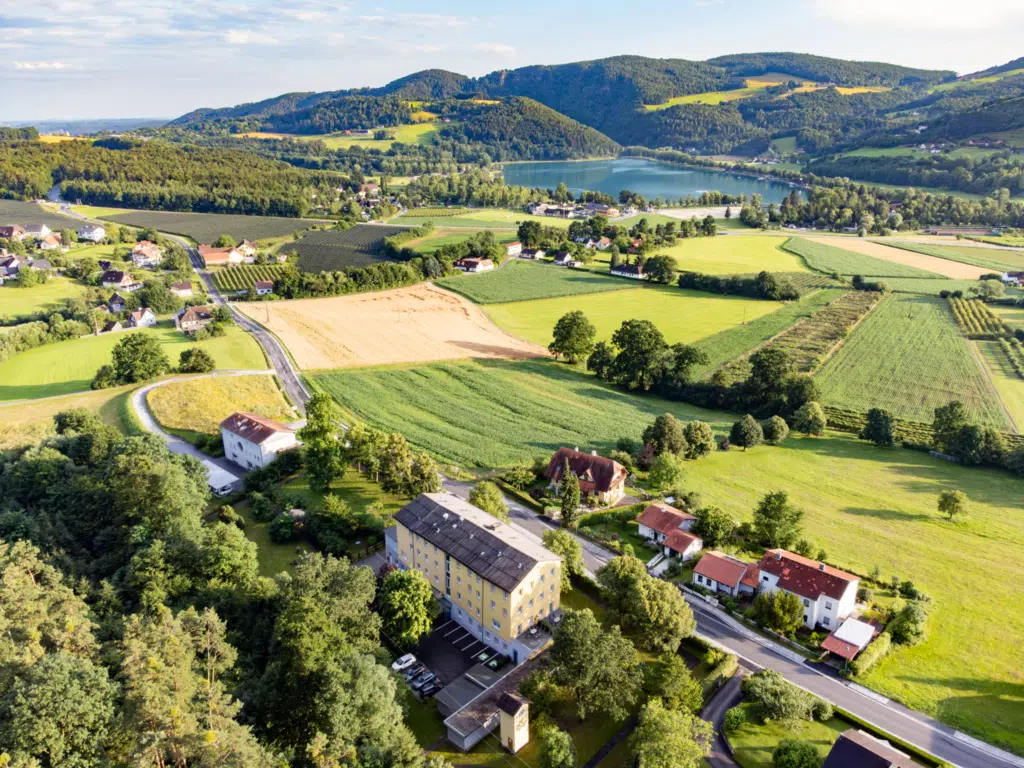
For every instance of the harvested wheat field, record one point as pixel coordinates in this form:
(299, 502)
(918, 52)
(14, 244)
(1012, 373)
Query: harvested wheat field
(952, 269)
(407, 325)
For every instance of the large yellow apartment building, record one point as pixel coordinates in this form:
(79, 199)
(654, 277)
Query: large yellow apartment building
(494, 579)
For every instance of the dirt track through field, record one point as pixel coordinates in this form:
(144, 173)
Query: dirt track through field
(407, 325)
(952, 269)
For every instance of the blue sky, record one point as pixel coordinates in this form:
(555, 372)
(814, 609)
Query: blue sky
(65, 59)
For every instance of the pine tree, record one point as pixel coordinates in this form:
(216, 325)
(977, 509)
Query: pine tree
(570, 497)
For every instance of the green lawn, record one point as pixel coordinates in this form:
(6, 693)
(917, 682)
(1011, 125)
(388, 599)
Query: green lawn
(909, 357)
(16, 301)
(1011, 315)
(105, 251)
(754, 743)
(872, 506)
(355, 489)
(1008, 384)
(500, 413)
(926, 287)
(59, 369)
(483, 218)
(273, 558)
(525, 280)
(441, 238)
(681, 315)
(95, 212)
(733, 254)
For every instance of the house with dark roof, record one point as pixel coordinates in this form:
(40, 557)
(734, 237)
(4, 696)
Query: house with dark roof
(117, 302)
(532, 253)
(496, 580)
(598, 476)
(12, 232)
(828, 594)
(564, 259)
(857, 749)
(192, 319)
(632, 271)
(116, 278)
(182, 290)
(252, 441)
(719, 572)
(669, 528)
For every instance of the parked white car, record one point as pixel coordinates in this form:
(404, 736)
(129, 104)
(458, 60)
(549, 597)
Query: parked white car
(404, 662)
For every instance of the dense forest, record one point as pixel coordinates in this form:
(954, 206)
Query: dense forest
(979, 175)
(159, 176)
(825, 70)
(139, 634)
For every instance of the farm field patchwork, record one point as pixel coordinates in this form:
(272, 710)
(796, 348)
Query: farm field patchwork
(25, 213)
(916, 259)
(327, 250)
(1013, 316)
(499, 413)
(989, 259)
(682, 316)
(909, 357)
(243, 277)
(440, 238)
(927, 287)
(406, 325)
(753, 86)
(29, 422)
(200, 404)
(16, 301)
(809, 342)
(59, 369)
(739, 340)
(417, 133)
(733, 255)
(831, 259)
(522, 280)
(871, 506)
(207, 227)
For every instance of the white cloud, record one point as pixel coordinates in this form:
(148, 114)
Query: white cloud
(41, 65)
(932, 15)
(501, 49)
(248, 37)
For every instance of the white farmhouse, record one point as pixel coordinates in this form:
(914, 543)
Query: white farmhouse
(828, 595)
(92, 233)
(252, 441)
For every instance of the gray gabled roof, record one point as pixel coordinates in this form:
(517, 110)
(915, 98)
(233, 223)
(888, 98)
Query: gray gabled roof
(502, 554)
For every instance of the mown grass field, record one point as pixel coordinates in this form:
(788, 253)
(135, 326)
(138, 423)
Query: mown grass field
(25, 213)
(60, 369)
(16, 301)
(753, 743)
(199, 405)
(829, 259)
(732, 255)
(682, 316)
(482, 218)
(872, 506)
(927, 287)
(418, 133)
(524, 281)
(754, 85)
(28, 423)
(989, 258)
(730, 344)
(245, 276)
(207, 227)
(97, 211)
(501, 413)
(1008, 384)
(909, 357)
(440, 238)
(1013, 316)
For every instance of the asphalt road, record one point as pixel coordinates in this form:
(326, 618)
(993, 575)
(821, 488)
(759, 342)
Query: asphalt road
(727, 697)
(279, 359)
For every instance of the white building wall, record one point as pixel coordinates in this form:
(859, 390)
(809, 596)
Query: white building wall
(252, 456)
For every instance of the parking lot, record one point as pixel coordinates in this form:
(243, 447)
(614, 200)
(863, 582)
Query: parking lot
(450, 650)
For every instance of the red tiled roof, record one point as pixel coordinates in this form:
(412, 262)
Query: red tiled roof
(195, 315)
(722, 568)
(680, 541)
(603, 473)
(663, 518)
(840, 648)
(184, 285)
(805, 577)
(264, 283)
(253, 427)
(751, 576)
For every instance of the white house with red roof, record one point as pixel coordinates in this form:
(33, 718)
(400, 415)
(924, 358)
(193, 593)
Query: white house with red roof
(669, 528)
(252, 441)
(719, 572)
(828, 595)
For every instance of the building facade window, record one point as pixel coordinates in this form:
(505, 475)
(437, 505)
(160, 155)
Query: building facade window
(825, 621)
(828, 605)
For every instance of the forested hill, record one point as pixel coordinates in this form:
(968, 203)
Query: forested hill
(425, 85)
(523, 129)
(825, 70)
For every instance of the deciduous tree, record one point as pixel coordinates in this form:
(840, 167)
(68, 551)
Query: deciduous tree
(810, 419)
(667, 473)
(777, 521)
(573, 337)
(487, 496)
(746, 433)
(557, 749)
(407, 607)
(879, 428)
(323, 452)
(779, 611)
(565, 545)
(666, 738)
(714, 526)
(665, 435)
(953, 503)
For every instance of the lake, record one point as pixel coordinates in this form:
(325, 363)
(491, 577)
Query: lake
(648, 178)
